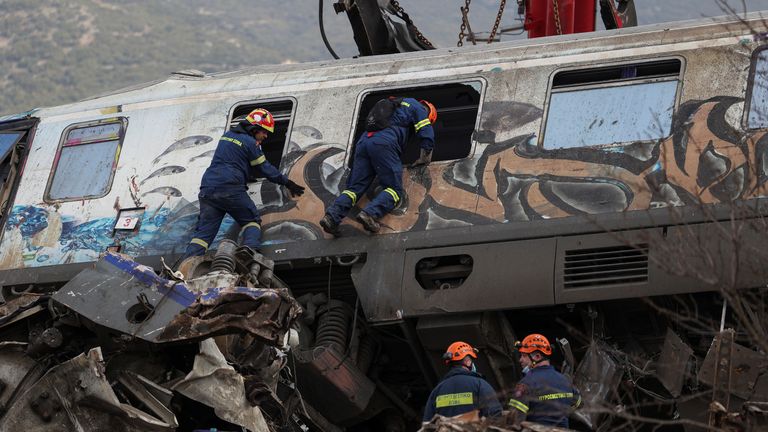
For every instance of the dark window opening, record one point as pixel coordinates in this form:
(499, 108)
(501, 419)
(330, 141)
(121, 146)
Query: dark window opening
(12, 145)
(444, 272)
(457, 108)
(8, 142)
(598, 75)
(274, 145)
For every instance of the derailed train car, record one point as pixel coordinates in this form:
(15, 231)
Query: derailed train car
(545, 150)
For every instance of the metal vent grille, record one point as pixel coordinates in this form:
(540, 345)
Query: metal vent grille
(616, 265)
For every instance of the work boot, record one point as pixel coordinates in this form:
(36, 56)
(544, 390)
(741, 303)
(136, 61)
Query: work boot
(368, 222)
(330, 226)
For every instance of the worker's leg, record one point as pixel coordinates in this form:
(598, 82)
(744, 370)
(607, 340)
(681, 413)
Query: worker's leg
(388, 167)
(358, 182)
(242, 209)
(208, 223)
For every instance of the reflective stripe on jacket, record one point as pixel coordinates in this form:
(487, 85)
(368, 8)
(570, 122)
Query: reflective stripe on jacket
(412, 114)
(237, 159)
(462, 391)
(545, 396)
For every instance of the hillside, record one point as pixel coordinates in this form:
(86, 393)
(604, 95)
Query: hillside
(58, 52)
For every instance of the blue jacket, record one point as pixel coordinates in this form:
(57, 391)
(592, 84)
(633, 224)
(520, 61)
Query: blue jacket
(462, 391)
(237, 159)
(412, 113)
(545, 396)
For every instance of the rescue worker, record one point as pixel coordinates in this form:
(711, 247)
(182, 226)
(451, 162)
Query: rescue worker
(237, 160)
(544, 395)
(377, 153)
(462, 389)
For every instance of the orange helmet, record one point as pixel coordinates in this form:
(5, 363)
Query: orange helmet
(457, 351)
(431, 111)
(534, 342)
(263, 118)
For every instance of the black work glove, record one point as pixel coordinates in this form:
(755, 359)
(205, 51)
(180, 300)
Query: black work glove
(294, 189)
(425, 157)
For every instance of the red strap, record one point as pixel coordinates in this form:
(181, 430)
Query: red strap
(370, 134)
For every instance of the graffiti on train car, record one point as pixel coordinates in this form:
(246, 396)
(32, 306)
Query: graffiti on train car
(507, 180)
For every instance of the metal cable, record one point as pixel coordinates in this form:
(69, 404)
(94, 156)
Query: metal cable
(322, 31)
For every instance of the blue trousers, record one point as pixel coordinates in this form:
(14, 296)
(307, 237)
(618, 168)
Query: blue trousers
(213, 206)
(373, 157)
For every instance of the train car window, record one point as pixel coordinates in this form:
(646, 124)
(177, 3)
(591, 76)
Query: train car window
(8, 141)
(282, 110)
(86, 148)
(612, 105)
(757, 93)
(457, 114)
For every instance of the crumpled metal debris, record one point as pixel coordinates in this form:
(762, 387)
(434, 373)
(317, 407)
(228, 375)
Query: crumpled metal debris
(264, 313)
(76, 396)
(215, 383)
(131, 310)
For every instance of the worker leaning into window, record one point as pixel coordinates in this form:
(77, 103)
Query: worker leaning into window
(462, 389)
(377, 153)
(544, 395)
(237, 160)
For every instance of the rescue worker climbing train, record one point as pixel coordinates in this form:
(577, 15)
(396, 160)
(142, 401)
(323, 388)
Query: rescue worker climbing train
(237, 160)
(462, 389)
(544, 395)
(377, 153)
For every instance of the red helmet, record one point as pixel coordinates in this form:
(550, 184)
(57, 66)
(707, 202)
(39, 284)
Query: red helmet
(431, 111)
(263, 118)
(457, 351)
(534, 342)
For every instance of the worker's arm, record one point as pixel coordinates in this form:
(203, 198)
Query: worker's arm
(518, 405)
(260, 166)
(576, 398)
(489, 403)
(429, 409)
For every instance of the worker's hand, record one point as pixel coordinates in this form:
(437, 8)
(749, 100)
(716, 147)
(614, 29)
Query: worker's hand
(294, 189)
(425, 157)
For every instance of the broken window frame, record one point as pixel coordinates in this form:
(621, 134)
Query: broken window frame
(63, 144)
(751, 81)
(12, 145)
(612, 82)
(244, 107)
(411, 151)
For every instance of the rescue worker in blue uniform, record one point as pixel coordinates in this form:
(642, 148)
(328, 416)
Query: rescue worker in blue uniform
(544, 395)
(377, 153)
(462, 389)
(237, 160)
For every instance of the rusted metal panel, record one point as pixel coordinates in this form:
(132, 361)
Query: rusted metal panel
(333, 385)
(731, 369)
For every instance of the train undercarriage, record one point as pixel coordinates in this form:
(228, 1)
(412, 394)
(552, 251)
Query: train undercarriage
(233, 342)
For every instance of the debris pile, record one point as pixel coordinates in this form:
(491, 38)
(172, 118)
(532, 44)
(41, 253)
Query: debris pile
(121, 348)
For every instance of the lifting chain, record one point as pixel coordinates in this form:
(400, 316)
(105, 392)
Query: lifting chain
(464, 20)
(498, 21)
(558, 27)
(404, 16)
